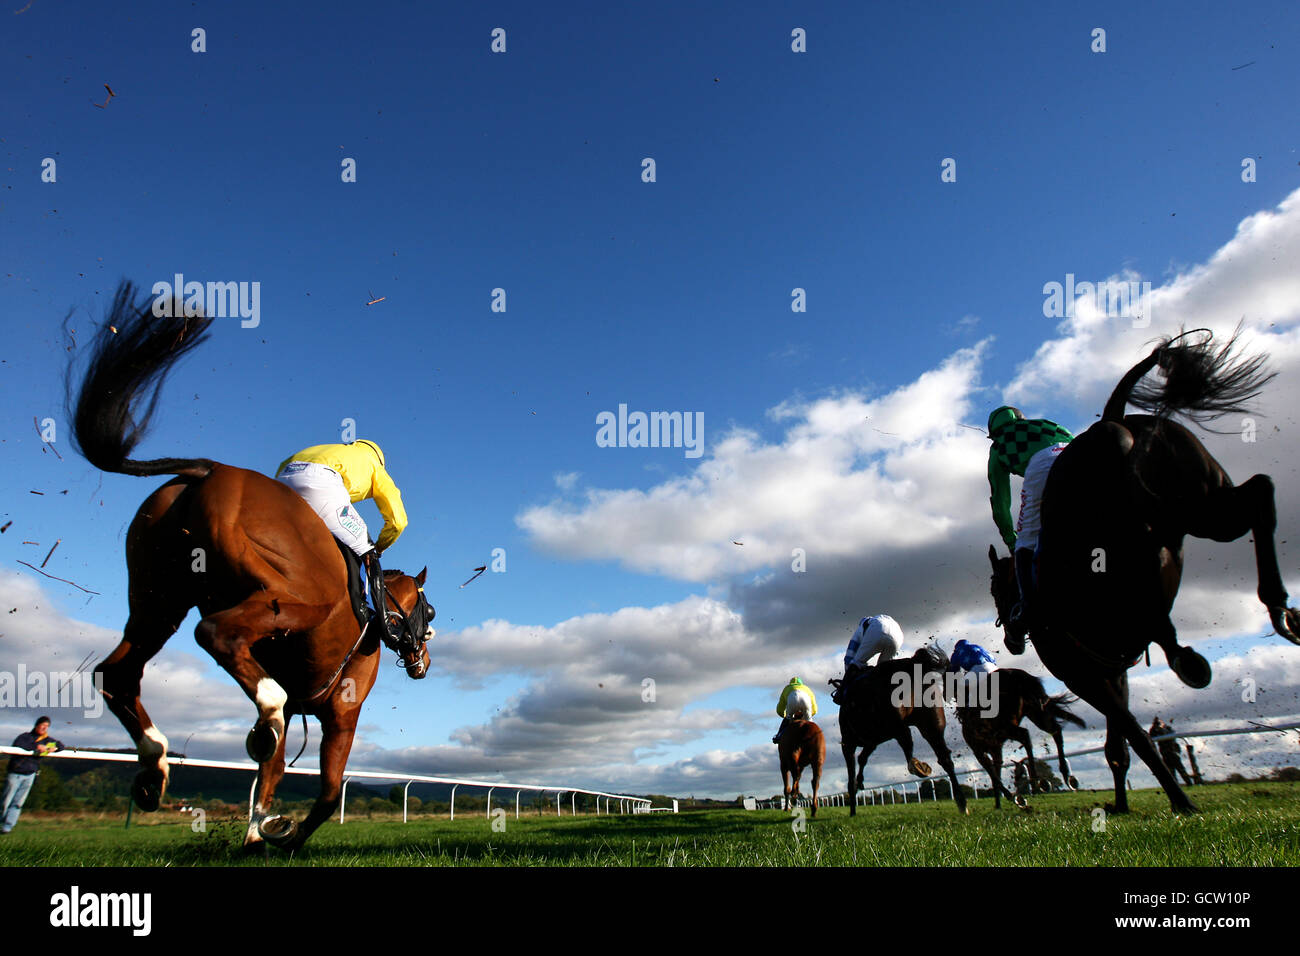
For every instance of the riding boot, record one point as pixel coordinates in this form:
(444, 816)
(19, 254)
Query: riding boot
(378, 596)
(780, 730)
(1022, 616)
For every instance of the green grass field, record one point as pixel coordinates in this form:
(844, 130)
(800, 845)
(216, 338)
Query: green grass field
(1251, 824)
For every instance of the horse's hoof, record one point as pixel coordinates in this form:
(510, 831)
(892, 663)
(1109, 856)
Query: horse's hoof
(262, 741)
(964, 811)
(919, 767)
(1286, 621)
(1072, 782)
(147, 789)
(1192, 669)
(278, 830)
(255, 848)
(1021, 802)
(1112, 810)
(1187, 810)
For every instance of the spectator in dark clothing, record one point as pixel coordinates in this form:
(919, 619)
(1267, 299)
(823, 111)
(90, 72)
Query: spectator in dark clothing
(1169, 750)
(23, 770)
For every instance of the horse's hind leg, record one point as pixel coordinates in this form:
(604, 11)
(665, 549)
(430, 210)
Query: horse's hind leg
(1021, 736)
(1067, 778)
(847, 751)
(816, 782)
(229, 636)
(263, 826)
(118, 676)
(865, 755)
(1231, 512)
(933, 735)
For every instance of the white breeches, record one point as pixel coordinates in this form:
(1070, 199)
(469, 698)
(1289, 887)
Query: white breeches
(323, 490)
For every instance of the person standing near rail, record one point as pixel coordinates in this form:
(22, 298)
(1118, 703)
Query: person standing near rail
(23, 770)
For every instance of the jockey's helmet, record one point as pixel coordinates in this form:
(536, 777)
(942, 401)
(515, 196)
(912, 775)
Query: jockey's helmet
(1001, 417)
(795, 680)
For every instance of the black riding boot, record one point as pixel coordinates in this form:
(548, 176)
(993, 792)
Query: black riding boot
(378, 597)
(780, 730)
(1022, 616)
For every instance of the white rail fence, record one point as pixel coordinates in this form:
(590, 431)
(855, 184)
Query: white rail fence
(888, 792)
(626, 803)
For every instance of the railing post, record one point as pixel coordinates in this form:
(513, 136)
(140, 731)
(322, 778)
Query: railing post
(489, 802)
(453, 800)
(343, 801)
(573, 804)
(517, 792)
(405, 791)
(558, 794)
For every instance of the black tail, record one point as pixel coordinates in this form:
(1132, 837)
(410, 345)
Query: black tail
(129, 360)
(1056, 707)
(1200, 382)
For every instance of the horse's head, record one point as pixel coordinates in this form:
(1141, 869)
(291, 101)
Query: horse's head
(414, 615)
(1003, 586)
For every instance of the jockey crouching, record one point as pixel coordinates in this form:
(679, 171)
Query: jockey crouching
(331, 479)
(796, 702)
(881, 635)
(1029, 448)
(974, 660)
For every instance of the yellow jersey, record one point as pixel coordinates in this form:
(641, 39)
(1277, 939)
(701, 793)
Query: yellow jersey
(361, 466)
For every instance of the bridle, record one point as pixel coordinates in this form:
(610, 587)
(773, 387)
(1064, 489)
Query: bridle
(414, 626)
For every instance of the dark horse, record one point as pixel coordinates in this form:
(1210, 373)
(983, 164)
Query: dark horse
(1019, 696)
(260, 565)
(802, 745)
(1117, 506)
(885, 704)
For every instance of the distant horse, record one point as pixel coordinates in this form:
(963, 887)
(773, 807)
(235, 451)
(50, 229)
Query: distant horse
(884, 704)
(260, 565)
(1020, 696)
(801, 745)
(1118, 503)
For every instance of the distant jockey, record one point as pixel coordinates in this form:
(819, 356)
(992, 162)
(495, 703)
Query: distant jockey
(974, 660)
(1026, 447)
(797, 702)
(881, 635)
(331, 479)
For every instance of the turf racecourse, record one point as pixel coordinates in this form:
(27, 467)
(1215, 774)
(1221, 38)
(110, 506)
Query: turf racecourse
(1251, 824)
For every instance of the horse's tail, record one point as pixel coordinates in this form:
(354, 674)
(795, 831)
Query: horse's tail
(1058, 707)
(1200, 381)
(129, 360)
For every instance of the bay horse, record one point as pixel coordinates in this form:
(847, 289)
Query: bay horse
(260, 565)
(802, 745)
(880, 706)
(1020, 696)
(1118, 503)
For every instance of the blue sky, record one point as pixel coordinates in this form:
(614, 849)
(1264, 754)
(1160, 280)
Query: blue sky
(521, 170)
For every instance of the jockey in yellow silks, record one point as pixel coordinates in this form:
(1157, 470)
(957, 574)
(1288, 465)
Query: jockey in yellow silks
(331, 479)
(797, 702)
